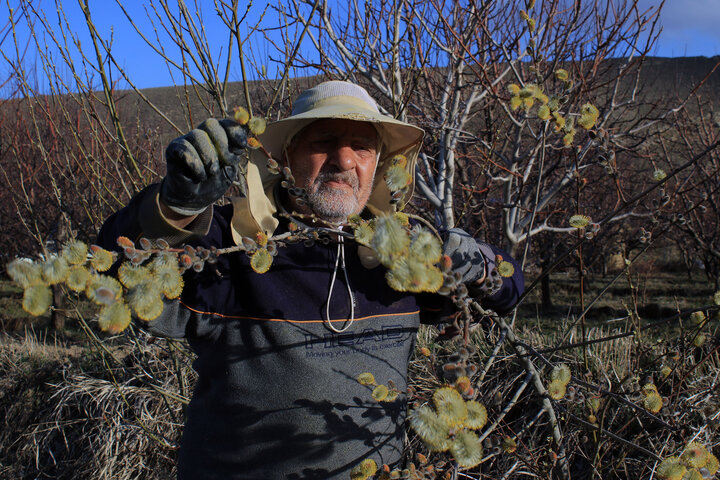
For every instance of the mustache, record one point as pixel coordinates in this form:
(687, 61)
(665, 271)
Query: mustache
(346, 177)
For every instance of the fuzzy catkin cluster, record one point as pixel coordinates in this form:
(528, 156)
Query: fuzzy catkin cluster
(652, 401)
(256, 125)
(549, 108)
(695, 462)
(409, 253)
(450, 426)
(149, 275)
(381, 392)
(560, 377)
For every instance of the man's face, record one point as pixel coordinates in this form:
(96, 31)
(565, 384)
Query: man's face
(334, 161)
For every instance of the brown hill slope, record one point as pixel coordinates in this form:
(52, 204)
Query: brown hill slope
(661, 79)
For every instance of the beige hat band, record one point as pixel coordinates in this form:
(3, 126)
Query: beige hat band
(340, 100)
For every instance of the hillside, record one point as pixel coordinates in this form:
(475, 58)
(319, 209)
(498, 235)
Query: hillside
(662, 79)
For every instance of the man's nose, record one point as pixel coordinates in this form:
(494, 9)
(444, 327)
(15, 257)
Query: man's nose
(344, 157)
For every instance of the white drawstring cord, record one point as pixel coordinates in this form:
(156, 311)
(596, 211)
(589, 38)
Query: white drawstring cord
(340, 260)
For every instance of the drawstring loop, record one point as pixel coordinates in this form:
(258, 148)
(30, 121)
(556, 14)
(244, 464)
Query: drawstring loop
(340, 261)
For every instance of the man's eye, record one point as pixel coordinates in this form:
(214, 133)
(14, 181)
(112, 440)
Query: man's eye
(363, 146)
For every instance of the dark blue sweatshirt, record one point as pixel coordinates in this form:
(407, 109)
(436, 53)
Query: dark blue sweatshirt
(277, 395)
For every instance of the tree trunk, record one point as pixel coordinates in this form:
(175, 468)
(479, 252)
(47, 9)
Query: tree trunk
(58, 316)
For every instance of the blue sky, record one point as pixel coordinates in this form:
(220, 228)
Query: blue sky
(690, 28)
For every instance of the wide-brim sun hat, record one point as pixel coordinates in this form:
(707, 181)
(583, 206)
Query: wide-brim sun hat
(327, 100)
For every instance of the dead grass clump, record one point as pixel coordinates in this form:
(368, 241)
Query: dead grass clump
(76, 413)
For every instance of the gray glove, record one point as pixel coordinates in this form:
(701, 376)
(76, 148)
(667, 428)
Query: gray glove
(202, 165)
(473, 261)
(465, 254)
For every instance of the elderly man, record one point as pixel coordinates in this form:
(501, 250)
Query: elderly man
(278, 354)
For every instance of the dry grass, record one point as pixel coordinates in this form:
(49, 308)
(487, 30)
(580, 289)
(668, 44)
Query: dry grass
(72, 412)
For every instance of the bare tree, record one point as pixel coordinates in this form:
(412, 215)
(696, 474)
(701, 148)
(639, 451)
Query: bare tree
(694, 197)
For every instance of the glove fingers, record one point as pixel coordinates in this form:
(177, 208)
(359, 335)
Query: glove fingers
(182, 157)
(459, 245)
(453, 241)
(236, 135)
(218, 137)
(465, 254)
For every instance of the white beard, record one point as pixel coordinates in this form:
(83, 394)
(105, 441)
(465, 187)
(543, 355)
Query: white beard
(334, 205)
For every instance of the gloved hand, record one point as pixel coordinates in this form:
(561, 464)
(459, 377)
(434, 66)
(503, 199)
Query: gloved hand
(202, 165)
(465, 254)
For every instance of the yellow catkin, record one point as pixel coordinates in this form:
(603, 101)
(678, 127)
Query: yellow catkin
(132, 275)
(505, 269)
(659, 175)
(101, 259)
(543, 112)
(695, 455)
(671, 469)
(649, 388)
(75, 252)
(390, 240)
(561, 74)
(653, 402)
(556, 389)
(712, 464)
(37, 299)
(366, 378)
(397, 178)
(431, 428)
(364, 470)
(99, 285)
(380, 393)
(477, 415)
(241, 115)
(55, 270)
(114, 318)
(24, 272)
(169, 280)
(562, 373)
(450, 406)
(257, 125)
(363, 233)
(693, 474)
(425, 247)
(261, 260)
(77, 278)
(579, 221)
(146, 301)
(467, 449)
